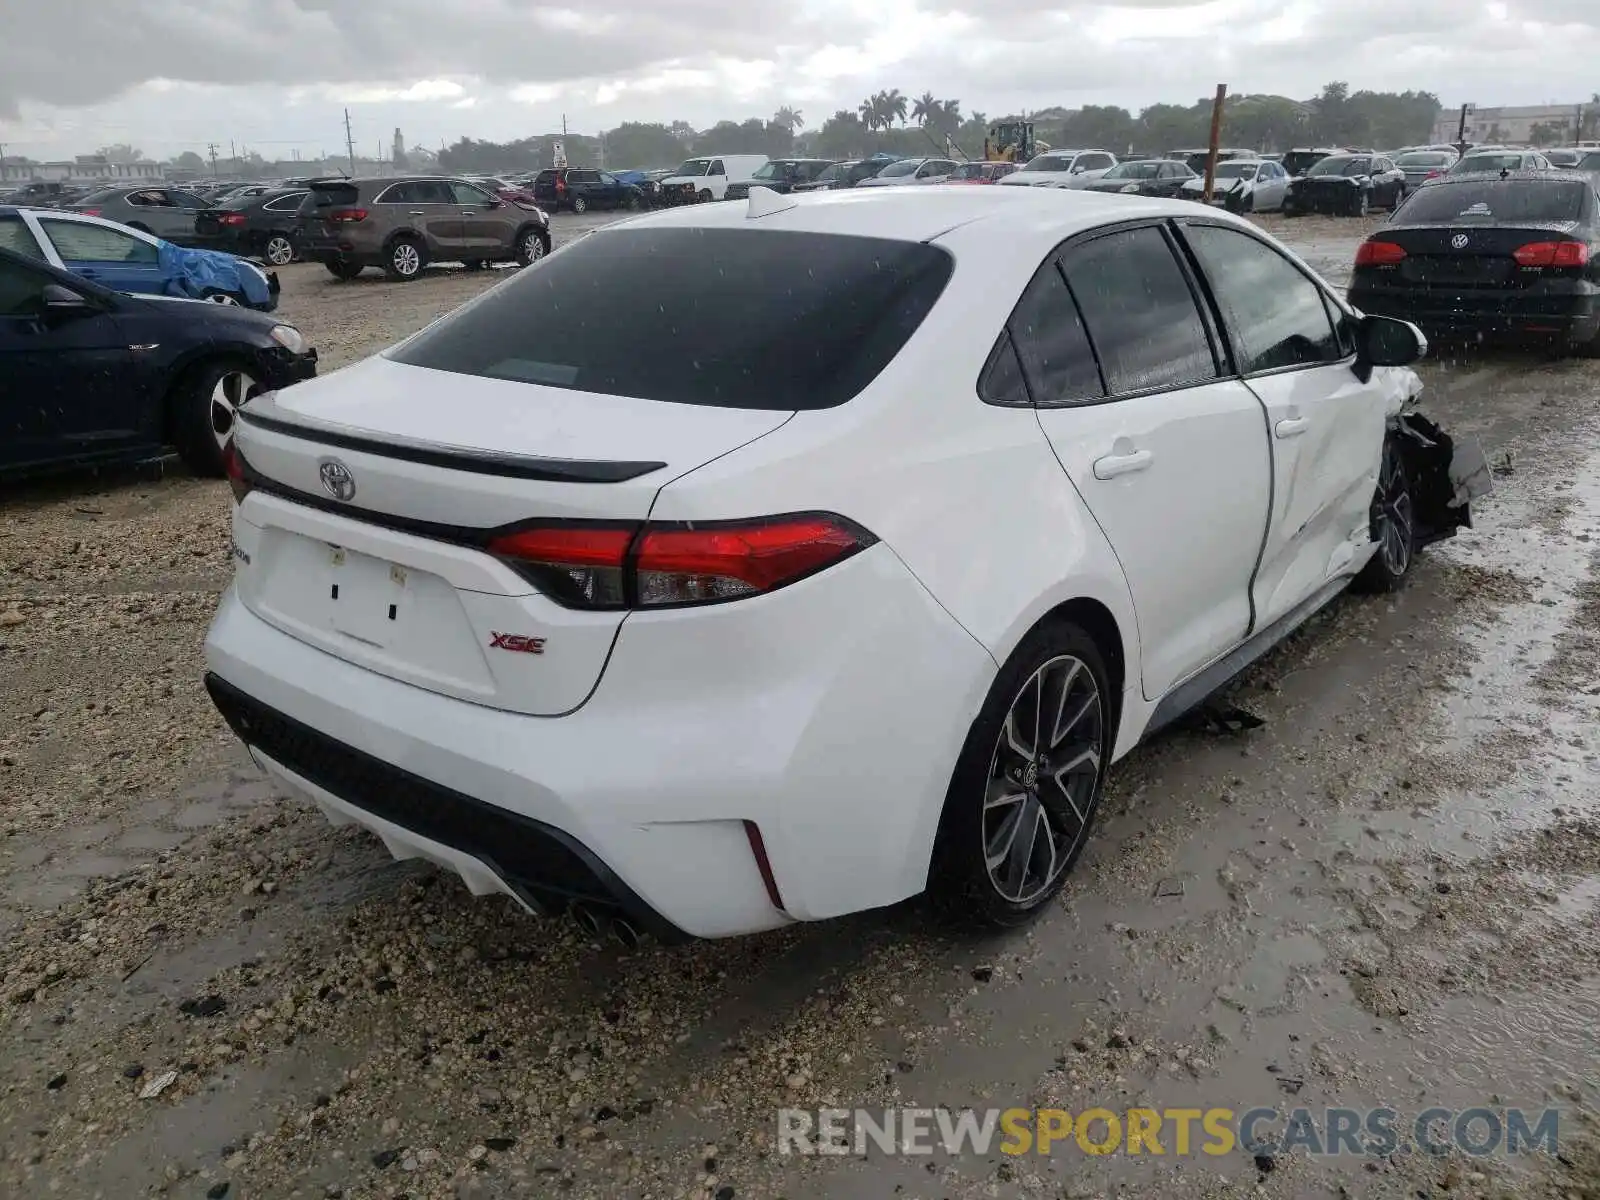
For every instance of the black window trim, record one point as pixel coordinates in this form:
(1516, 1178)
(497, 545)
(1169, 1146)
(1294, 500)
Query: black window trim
(1221, 355)
(1329, 300)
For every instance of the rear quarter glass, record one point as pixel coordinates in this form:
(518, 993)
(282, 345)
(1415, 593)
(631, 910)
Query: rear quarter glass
(733, 318)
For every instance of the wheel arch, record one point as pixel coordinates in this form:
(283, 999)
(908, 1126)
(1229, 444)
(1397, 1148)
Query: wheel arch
(191, 364)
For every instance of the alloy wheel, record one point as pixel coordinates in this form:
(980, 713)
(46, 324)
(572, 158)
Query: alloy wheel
(232, 389)
(533, 247)
(280, 251)
(580, 205)
(1392, 514)
(406, 260)
(1043, 778)
(223, 298)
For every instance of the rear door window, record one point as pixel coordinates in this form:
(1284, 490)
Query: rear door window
(1139, 311)
(1049, 335)
(736, 318)
(78, 241)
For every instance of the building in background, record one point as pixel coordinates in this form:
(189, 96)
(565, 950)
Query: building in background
(86, 168)
(1547, 124)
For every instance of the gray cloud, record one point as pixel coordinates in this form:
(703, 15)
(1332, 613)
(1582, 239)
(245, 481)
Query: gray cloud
(75, 52)
(73, 68)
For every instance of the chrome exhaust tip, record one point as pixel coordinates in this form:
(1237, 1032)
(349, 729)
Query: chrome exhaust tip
(588, 920)
(623, 930)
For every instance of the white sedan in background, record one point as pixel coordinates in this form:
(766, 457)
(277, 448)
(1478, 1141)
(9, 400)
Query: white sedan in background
(1071, 169)
(802, 600)
(1256, 185)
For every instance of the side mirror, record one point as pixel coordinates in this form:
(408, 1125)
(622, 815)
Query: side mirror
(63, 302)
(495, 202)
(1387, 342)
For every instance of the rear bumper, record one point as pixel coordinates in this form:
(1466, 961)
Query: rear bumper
(833, 731)
(1570, 315)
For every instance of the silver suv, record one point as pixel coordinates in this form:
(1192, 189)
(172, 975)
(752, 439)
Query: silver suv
(404, 224)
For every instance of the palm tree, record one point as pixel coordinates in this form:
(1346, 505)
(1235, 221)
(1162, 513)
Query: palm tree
(894, 107)
(868, 111)
(924, 108)
(790, 118)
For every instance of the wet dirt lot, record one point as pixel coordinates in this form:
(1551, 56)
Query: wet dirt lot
(1385, 896)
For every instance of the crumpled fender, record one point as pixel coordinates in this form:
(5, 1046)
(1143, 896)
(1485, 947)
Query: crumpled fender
(193, 273)
(1447, 474)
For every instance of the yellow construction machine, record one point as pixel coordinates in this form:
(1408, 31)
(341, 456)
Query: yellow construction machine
(1011, 141)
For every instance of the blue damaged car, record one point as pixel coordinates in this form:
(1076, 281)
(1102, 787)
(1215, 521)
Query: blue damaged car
(130, 260)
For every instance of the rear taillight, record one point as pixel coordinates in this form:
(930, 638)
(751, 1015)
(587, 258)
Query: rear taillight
(1552, 254)
(89, 212)
(603, 566)
(233, 467)
(231, 219)
(1433, 174)
(348, 216)
(1379, 254)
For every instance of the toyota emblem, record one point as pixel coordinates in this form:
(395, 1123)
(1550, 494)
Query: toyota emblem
(1459, 242)
(336, 479)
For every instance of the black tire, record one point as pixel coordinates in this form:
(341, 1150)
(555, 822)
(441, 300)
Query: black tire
(705, 196)
(1394, 525)
(278, 249)
(474, 264)
(1362, 204)
(192, 420)
(630, 202)
(405, 260)
(1399, 197)
(342, 269)
(579, 204)
(533, 243)
(962, 884)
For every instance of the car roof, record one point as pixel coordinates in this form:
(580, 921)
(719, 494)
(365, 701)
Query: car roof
(1015, 215)
(66, 214)
(1555, 176)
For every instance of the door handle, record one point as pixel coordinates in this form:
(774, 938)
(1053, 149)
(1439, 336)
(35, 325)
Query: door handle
(417, 212)
(1290, 427)
(1113, 465)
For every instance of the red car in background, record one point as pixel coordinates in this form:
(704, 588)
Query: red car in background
(981, 172)
(504, 188)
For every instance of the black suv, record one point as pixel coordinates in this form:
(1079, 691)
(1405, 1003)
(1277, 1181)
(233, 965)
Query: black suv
(781, 175)
(583, 188)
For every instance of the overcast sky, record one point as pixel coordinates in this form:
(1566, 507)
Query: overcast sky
(275, 75)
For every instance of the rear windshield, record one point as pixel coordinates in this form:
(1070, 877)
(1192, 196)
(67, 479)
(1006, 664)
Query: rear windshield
(1425, 158)
(734, 318)
(1489, 162)
(1134, 170)
(329, 195)
(1495, 200)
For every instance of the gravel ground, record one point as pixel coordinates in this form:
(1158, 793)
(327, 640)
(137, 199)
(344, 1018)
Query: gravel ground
(1386, 895)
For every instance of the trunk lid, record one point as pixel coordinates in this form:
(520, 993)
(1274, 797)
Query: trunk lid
(376, 489)
(1464, 255)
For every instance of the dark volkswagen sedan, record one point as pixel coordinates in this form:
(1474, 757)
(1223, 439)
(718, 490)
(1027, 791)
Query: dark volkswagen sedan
(1490, 256)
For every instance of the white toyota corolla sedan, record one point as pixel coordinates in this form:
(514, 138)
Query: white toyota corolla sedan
(756, 563)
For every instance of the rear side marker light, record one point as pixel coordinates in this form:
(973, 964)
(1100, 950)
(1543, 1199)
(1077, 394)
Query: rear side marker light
(758, 848)
(231, 219)
(607, 566)
(1379, 254)
(233, 467)
(1552, 254)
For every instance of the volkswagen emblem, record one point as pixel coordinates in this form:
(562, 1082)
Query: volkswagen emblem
(1459, 242)
(336, 479)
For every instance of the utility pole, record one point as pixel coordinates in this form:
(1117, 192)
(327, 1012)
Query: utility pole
(1461, 129)
(349, 141)
(1216, 139)
(563, 127)
(211, 149)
